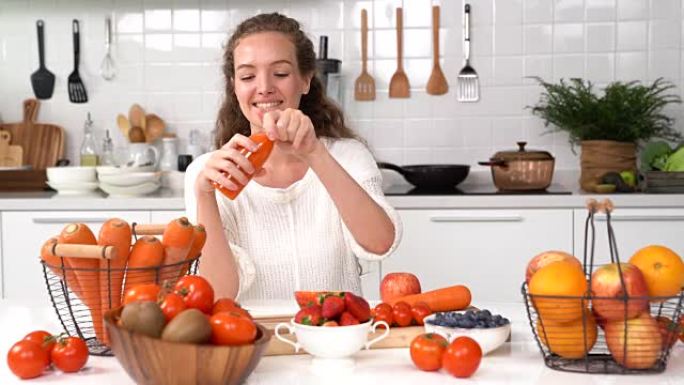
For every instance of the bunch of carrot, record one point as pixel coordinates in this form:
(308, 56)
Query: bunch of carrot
(99, 283)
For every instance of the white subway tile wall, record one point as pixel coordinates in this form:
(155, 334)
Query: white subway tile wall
(168, 57)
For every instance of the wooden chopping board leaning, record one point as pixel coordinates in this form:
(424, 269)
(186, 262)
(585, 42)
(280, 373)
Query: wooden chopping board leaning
(42, 143)
(10, 155)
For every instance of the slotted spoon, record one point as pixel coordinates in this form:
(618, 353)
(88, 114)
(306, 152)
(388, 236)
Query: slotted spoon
(468, 82)
(364, 87)
(77, 91)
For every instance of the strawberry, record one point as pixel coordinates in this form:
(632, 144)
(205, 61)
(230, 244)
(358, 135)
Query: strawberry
(309, 316)
(332, 307)
(348, 319)
(308, 298)
(357, 306)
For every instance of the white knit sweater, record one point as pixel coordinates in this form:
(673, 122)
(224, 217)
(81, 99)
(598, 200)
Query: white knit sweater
(287, 239)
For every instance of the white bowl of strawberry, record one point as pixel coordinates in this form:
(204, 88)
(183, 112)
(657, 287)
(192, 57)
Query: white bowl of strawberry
(332, 325)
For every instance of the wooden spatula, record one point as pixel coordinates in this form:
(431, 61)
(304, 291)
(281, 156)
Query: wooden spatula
(399, 84)
(10, 155)
(364, 87)
(437, 84)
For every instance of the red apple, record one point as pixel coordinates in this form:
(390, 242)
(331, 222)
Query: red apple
(542, 259)
(642, 347)
(608, 292)
(397, 285)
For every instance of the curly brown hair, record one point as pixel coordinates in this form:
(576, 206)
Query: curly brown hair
(327, 118)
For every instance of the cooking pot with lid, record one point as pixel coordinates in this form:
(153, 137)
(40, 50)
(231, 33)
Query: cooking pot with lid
(521, 169)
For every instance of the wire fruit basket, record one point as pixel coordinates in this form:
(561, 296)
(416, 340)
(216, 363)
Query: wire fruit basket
(573, 334)
(80, 295)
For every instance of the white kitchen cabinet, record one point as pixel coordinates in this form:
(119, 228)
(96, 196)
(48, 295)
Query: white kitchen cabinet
(1, 261)
(633, 229)
(23, 233)
(163, 217)
(487, 250)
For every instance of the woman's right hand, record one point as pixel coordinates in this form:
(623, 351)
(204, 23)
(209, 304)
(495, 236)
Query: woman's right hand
(227, 166)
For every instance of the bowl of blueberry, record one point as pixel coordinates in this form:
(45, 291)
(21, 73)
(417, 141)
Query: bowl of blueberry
(489, 330)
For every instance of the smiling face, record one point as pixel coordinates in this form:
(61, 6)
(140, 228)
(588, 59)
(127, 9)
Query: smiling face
(267, 76)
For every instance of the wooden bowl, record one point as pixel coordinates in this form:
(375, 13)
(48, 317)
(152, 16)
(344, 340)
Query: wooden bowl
(153, 361)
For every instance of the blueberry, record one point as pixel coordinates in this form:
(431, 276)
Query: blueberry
(496, 318)
(491, 324)
(486, 313)
(481, 324)
(468, 323)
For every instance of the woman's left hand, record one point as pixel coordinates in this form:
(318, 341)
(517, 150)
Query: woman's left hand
(293, 132)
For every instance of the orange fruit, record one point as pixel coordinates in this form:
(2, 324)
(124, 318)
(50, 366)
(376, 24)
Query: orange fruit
(565, 283)
(571, 339)
(662, 268)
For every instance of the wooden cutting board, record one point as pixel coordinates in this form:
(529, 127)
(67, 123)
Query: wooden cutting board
(398, 337)
(42, 143)
(10, 155)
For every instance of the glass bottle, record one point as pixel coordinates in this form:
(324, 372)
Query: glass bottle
(88, 150)
(107, 158)
(257, 158)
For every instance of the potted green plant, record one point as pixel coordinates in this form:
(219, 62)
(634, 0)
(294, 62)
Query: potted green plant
(607, 127)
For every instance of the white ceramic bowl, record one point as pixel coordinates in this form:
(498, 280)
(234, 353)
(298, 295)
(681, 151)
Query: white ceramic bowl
(71, 174)
(331, 341)
(173, 180)
(129, 191)
(488, 339)
(115, 170)
(73, 188)
(129, 179)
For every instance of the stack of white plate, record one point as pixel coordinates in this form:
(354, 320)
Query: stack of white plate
(128, 181)
(72, 180)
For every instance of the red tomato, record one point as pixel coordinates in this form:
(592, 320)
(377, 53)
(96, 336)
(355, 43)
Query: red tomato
(45, 340)
(171, 305)
(142, 292)
(224, 304)
(196, 292)
(427, 350)
(383, 312)
(229, 328)
(70, 354)
(401, 311)
(26, 359)
(462, 357)
(227, 304)
(420, 311)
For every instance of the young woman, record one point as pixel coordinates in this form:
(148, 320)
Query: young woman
(317, 204)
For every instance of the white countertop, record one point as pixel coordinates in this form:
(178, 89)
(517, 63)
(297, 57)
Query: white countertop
(173, 200)
(517, 362)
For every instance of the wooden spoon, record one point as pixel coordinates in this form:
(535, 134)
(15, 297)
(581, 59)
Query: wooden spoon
(399, 84)
(154, 128)
(437, 84)
(136, 116)
(124, 125)
(136, 135)
(364, 86)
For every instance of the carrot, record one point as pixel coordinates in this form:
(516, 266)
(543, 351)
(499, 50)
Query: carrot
(177, 240)
(114, 232)
(146, 254)
(85, 283)
(445, 299)
(52, 261)
(198, 242)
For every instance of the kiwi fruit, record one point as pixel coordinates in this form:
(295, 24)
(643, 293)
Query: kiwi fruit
(145, 317)
(189, 326)
(605, 188)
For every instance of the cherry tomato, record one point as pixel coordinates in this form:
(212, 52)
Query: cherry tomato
(462, 357)
(142, 292)
(401, 312)
(171, 305)
(26, 359)
(427, 350)
(229, 328)
(45, 340)
(196, 292)
(70, 354)
(383, 312)
(420, 311)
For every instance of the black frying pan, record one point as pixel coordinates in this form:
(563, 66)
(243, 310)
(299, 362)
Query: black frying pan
(431, 176)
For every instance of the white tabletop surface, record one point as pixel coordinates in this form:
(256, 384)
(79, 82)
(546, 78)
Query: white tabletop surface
(517, 362)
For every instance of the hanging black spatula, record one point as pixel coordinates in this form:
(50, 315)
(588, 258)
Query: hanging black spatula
(42, 81)
(77, 91)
